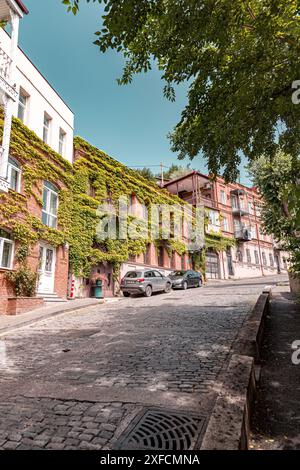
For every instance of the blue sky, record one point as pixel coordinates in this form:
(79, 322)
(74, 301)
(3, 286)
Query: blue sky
(130, 122)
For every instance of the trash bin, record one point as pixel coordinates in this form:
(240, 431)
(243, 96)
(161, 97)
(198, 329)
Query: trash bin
(97, 289)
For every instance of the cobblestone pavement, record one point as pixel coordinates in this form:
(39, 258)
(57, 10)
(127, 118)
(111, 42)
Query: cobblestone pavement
(77, 380)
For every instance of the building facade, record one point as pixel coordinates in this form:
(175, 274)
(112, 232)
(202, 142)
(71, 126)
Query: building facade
(232, 210)
(35, 162)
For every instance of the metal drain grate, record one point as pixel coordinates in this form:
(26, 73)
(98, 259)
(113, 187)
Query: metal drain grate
(162, 430)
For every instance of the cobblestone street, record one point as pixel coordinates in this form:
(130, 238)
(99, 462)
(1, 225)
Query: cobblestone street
(78, 379)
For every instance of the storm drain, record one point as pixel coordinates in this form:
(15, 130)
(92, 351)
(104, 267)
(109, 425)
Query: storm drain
(162, 430)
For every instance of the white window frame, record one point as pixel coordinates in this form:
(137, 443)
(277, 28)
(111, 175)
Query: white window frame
(46, 210)
(24, 106)
(47, 129)
(62, 142)
(11, 166)
(225, 224)
(12, 243)
(213, 218)
(223, 196)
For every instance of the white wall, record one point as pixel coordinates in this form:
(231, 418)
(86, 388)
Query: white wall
(42, 98)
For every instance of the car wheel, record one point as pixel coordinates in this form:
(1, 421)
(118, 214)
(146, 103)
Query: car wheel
(168, 288)
(185, 285)
(148, 291)
(126, 294)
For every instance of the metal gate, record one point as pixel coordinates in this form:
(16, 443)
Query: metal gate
(212, 265)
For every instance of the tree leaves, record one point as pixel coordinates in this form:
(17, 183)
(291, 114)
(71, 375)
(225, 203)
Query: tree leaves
(240, 59)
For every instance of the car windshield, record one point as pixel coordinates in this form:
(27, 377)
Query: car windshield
(134, 274)
(178, 273)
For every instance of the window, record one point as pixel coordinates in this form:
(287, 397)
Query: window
(271, 259)
(23, 100)
(50, 204)
(253, 232)
(133, 274)
(223, 196)
(239, 256)
(6, 250)
(46, 128)
(256, 257)
(234, 202)
(14, 175)
(248, 254)
(225, 224)
(157, 274)
(61, 142)
(250, 208)
(261, 234)
(91, 189)
(264, 258)
(213, 218)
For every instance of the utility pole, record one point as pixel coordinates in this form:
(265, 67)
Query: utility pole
(162, 173)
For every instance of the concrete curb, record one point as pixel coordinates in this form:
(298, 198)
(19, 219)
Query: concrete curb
(46, 316)
(249, 339)
(229, 424)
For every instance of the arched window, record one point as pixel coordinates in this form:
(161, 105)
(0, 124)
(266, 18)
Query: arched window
(14, 175)
(50, 205)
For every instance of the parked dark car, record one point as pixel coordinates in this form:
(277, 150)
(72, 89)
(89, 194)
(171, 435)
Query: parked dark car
(185, 279)
(145, 281)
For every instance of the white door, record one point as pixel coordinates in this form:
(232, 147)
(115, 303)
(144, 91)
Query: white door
(46, 269)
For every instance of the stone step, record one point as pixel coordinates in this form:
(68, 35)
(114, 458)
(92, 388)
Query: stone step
(50, 297)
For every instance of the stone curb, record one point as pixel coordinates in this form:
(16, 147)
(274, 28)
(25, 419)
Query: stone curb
(46, 316)
(249, 339)
(229, 424)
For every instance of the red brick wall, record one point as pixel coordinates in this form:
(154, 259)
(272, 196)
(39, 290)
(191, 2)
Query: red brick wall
(15, 306)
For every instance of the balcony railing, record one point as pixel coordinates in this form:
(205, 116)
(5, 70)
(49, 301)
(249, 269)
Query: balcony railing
(5, 65)
(243, 234)
(240, 211)
(5, 75)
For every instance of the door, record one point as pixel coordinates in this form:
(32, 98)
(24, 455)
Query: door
(212, 265)
(229, 262)
(160, 282)
(190, 279)
(46, 269)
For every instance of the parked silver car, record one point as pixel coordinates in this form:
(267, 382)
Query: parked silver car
(145, 281)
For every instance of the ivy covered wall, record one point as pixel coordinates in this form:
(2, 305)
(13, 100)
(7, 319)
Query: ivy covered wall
(94, 177)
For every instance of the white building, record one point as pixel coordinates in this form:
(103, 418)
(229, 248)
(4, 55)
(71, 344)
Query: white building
(26, 94)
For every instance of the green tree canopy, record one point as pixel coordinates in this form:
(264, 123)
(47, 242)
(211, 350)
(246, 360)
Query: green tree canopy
(278, 181)
(239, 57)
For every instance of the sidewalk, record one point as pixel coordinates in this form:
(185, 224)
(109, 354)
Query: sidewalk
(8, 322)
(276, 420)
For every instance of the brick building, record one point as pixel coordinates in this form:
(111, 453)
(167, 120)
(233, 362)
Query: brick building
(34, 161)
(234, 211)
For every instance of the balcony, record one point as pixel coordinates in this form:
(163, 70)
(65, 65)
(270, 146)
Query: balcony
(243, 234)
(240, 211)
(5, 73)
(238, 192)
